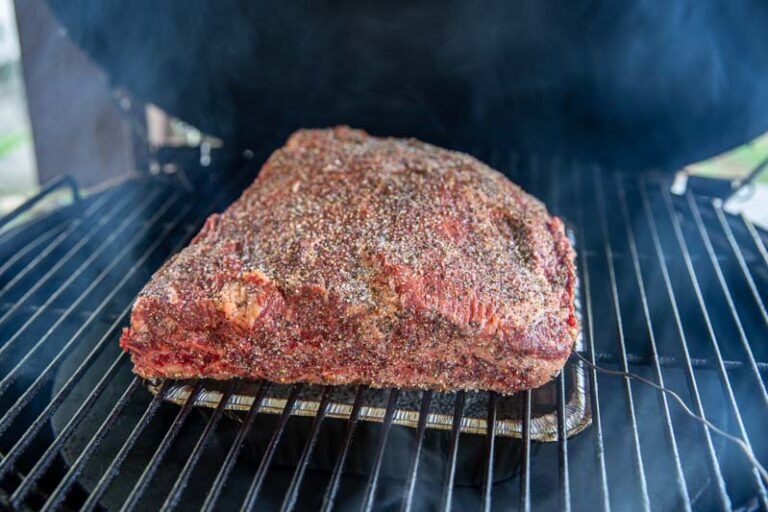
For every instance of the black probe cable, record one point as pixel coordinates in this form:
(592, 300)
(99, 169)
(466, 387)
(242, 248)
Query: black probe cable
(737, 440)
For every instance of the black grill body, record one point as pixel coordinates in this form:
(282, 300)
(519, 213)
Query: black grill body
(609, 83)
(672, 288)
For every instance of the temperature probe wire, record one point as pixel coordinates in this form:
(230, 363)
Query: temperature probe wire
(738, 441)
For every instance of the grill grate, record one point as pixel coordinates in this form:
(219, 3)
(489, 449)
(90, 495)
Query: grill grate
(673, 289)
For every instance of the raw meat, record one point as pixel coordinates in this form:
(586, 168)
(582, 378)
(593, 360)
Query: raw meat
(357, 259)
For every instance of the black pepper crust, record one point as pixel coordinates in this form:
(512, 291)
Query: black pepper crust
(357, 259)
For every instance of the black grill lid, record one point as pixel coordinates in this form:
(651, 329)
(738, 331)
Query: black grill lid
(631, 84)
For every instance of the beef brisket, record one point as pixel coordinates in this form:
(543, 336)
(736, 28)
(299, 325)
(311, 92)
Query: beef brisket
(357, 259)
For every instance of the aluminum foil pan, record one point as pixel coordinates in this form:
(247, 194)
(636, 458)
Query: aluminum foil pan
(543, 425)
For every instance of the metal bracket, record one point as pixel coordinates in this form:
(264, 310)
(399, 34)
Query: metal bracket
(723, 189)
(759, 169)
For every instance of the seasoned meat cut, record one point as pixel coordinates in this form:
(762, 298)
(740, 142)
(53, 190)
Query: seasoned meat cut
(358, 259)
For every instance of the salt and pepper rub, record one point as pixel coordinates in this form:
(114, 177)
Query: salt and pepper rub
(357, 259)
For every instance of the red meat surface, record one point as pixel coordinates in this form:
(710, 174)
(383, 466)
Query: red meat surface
(357, 259)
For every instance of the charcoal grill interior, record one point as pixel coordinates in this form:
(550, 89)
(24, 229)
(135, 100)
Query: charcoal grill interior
(672, 288)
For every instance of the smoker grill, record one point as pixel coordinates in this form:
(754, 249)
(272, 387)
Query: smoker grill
(672, 288)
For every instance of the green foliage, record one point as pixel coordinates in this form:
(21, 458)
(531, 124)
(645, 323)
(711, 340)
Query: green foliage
(11, 141)
(736, 162)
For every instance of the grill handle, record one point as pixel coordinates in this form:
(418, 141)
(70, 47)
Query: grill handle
(55, 184)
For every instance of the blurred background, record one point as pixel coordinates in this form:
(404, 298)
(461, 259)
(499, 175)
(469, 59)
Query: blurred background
(59, 115)
(18, 174)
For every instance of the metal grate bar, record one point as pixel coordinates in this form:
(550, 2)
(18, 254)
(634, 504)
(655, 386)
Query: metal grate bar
(92, 231)
(157, 457)
(234, 450)
(630, 405)
(149, 413)
(101, 201)
(386, 426)
(562, 441)
(111, 472)
(59, 493)
(54, 403)
(755, 238)
(293, 490)
(22, 489)
(453, 451)
(742, 262)
(49, 233)
(410, 485)
(58, 182)
(86, 264)
(562, 445)
(725, 380)
(31, 391)
(525, 464)
(50, 453)
(28, 309)
(183, 479)
(684, 501)
(594, 393)
(714, 467)
(490, 454)
(676, 362)
(729, 299)
(266, 460)
(333, 484)
(137, 265)
(13, 373)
